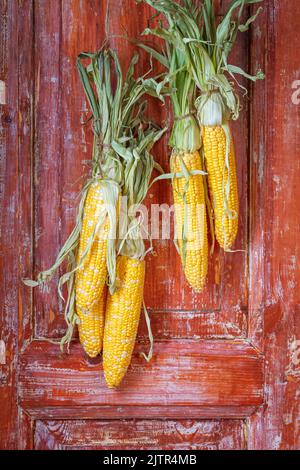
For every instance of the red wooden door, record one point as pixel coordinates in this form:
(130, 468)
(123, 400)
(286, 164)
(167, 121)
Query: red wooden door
(225, 369)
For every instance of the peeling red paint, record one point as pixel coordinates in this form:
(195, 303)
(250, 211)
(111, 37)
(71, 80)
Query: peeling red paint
(210, 348)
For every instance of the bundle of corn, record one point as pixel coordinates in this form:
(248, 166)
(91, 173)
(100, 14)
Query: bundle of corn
(121, 164)
(205, 46)
(185, 162)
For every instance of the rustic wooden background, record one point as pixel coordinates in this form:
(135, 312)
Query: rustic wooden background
(204, 388)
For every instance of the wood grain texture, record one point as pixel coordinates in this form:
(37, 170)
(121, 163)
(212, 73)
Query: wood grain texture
(47, 152)
(277, 167)
(195, 325)
(9, 269)
(197, 373)
(229, 375)
(140, 435)
(26, 93)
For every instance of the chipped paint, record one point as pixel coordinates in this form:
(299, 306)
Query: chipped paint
(293, 366)
(2, 92)
(2, 352)
(141, 434)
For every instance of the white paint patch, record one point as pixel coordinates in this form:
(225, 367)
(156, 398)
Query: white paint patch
(293, 368)
(261, 161)
(2, 352)
(193, 428)
(288, 418)
(2, 92)
(83, 140)
(277, 442)
(279, 288)
(279, 183)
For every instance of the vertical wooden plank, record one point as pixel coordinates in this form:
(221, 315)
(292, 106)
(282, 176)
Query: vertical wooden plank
(16, 220)
(25, 146)
(47, 154)
(258, 165)
(83, 30)
(8, 221)
(276, 427)
(25, 215)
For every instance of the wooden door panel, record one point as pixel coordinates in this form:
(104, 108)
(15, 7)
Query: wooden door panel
(140, 434)
(209, 349)
(196, 324)
(228, 382)
(62, 145)
(47, 153)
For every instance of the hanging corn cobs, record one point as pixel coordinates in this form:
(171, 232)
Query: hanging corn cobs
(205, 46)
(98, 257)
(185, 163)
(106, 251)
(190, 213)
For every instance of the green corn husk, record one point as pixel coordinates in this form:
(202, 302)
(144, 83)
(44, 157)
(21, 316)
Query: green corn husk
(121, 160)
(205, 46)
(185, 134)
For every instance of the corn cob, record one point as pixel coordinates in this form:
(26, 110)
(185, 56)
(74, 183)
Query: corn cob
(91, 327)
(90, 279)
(225, 211)
(122, 318)
(195, 263)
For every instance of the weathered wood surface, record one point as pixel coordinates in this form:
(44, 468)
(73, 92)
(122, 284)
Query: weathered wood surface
(224, 375)
(275, 224)
(253, 296)
(142, 435)
(9, 270)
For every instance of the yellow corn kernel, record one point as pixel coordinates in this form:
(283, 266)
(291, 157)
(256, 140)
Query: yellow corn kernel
(92, 326)
(90, 278)
(122, 316)
(214, 145)
(196, 246)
